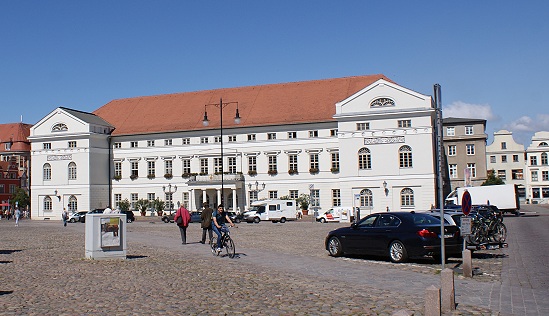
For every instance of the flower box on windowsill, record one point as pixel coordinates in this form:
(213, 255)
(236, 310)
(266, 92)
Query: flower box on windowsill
(292, 172)
(252, 173)
(151, 176)
(134, 176)
(117, 177)
(186, 175)
(168, 176)
(272, 172)
(334, 170)
(313, 170)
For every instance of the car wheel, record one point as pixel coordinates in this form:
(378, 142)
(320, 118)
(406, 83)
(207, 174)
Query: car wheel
(128, 220)
(397, 252)
(237, 220)
(257, 220)
(72, 220)
(323, 220)
(334, 247)
(283, 220)
(165, 220)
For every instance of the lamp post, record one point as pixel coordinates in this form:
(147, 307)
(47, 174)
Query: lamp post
(206, 122)
(170, 192)
(257, 189)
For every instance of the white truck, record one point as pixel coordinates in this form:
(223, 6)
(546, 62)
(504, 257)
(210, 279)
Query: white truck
(336, 214)
(271, 210)
(504, 196)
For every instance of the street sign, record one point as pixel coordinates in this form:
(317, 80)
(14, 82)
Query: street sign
(465, 225)
(466, 203)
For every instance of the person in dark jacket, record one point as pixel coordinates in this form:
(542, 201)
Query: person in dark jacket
(206, 222)
(185, 216)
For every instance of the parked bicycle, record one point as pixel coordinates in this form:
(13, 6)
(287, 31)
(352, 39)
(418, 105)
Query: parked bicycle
(487, 227)
(227, 243)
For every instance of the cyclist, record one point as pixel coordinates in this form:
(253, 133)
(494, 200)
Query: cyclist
(219, 218)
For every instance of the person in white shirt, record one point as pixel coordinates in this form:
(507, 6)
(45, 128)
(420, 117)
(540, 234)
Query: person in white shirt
(108, 210)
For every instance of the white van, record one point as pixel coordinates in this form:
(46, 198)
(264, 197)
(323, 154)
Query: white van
(271, 210)
(336, 214)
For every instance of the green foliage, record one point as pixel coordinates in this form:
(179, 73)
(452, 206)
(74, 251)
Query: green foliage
(493, 179)
(303, 201)
(21, 197)
(142, 205)
(158, 205)
(124, 205)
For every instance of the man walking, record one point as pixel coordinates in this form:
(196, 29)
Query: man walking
(206, 222)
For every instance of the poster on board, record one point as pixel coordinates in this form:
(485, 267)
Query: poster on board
(110, 232)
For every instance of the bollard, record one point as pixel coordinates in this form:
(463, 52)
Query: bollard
(448, 292)
(432, 301)
(467, 263)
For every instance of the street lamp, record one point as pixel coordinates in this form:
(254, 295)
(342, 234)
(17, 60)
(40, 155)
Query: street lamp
(385, 188)
(206, 122)
(257, 189)
(170, 193)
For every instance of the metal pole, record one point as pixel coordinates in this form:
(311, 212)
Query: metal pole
(439, 151)
(221, 141)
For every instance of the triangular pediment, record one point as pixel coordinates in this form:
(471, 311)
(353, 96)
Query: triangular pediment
(63, 121)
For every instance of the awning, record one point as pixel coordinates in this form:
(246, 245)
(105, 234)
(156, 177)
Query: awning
(4, 204)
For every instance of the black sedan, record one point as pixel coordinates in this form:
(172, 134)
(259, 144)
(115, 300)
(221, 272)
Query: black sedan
(96, 211)
(398, 235)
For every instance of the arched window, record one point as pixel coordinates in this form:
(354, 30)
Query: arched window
(46, 174)
(47, 203)
(73, 204)
(72, 171)
(544, 160)
(405, 156)
(364, 159)
(543, 144)
(379, 102)
(59, 127)
(366, 198)
(407, 197)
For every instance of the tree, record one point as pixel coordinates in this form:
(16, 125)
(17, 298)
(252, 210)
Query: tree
(124, 205)
(303, 201)
(492, 179)
(158, 205)
(21, 198)
(142, 206)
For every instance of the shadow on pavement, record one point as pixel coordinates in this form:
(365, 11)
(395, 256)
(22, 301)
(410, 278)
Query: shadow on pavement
(8, 252)
(135, 257)
(5, 292)
(5, 262)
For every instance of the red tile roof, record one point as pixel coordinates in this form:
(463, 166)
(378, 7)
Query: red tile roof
(17, 134)
(296, 102)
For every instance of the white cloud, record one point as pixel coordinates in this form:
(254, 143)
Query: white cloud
(528, 124)
(466, 110)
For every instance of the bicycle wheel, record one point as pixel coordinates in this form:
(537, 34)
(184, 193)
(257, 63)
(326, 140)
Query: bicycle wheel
(500, 233)
(475, 237)
(213, 245)
(229, 247)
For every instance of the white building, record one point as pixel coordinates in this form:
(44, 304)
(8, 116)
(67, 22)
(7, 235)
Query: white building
(537, 169)
(362, 141)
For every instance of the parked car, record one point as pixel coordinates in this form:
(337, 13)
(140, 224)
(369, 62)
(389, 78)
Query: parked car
(96, 211)
(451, 216)
(397, 235)
(195, 217)
(75, 216)
(130, 217)
(235, 218)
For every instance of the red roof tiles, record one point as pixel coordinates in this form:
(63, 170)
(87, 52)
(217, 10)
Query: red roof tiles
(297, 102)
(16, 134)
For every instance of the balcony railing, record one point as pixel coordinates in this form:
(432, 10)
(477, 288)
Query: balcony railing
(214, 178)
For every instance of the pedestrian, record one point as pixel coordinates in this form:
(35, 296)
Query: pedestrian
(17, 216)
(107, 210)
(182, 218)
(65, 216)
(206, 222)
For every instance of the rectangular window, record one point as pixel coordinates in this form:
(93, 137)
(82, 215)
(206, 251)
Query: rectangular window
(313, 134)
(503, 145)
(232, 164)
(533, 161)
(315, 198)
(72, 144)
(273, 164)
(169, 201)
(362, 126)
(117, 199)
(134, 198)
(271, 136)
(292, 135)
(535, 193)
(168, 167)
(545, 192)
(135, 168)
(534, 176)
(151, 169)
(292, 163)
(252, 163)
(469, 130)
(492, 159)
(545, 176)
(472, 169)
(118, 169)
(517, 174)
(7, 146)
(252, 195)
(452, 150)
(117, 145)
(336, 197)
(47, 172)
(405, 159)
(185, 201)
(502, 174)
(203, 140)
(333, 132)
(46, 145)
(2, 188)
(294, 194)
(168, 142)
(515, 158)
(470, 149)
(251, 137)
(150, 143)
(273, 194)
(217, 139)
(313, 162)
(217, 165)
(186, 141)
(405, 123)
(232, 138)
(204, 166)
(12, 188)
(450, 131)
(453, 171)
(151, 197)
(186, 166)
(544, 159)
(133, 144)
(335, 161)
(503, 158)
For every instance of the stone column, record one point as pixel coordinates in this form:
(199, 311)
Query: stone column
(234, 200)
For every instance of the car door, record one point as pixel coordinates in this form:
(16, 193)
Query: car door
(358, 238)
(384, 231)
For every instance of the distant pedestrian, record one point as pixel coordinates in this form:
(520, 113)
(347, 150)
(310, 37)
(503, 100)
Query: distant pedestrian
(182, 218)
(17, 216)
(65, 216)
(107, 210)
(206, 222)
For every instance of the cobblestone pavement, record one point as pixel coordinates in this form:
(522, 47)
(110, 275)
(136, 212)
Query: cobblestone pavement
(280, 269)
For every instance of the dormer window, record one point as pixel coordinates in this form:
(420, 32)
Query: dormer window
(59, 127)
(382, 102)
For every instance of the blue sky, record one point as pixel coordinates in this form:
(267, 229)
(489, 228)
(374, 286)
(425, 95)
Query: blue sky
(490, 57)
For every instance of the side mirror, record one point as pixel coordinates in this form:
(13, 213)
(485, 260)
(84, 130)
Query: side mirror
(354, 225)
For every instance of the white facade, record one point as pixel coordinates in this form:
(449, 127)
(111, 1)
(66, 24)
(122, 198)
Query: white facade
(537, 169)
(377, 154)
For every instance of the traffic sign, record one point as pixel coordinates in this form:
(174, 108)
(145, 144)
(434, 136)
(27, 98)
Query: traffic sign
(465, 228)
(466, 202)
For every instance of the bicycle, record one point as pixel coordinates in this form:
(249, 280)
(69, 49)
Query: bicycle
(227, 243)
(486, 229)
